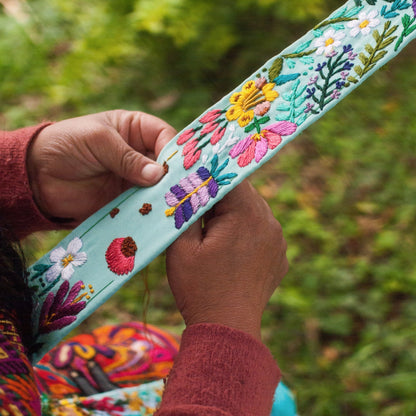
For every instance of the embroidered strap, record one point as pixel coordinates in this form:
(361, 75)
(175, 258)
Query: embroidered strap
(211, 156)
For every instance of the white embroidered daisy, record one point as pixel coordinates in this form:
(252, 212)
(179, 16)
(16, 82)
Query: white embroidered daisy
(328, 42)
(364, 24)
(65, 260)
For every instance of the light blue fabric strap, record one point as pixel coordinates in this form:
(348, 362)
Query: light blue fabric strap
(211, 156)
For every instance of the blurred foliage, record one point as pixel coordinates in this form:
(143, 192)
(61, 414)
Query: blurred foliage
(342, 325)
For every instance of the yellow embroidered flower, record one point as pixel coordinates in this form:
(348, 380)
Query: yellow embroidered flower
(250, 101)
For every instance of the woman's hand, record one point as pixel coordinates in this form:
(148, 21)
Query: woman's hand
(76, 166)
(226, 271)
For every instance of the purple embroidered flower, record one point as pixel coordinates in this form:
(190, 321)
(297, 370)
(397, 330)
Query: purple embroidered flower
(313, 80)
(414, 7)
(347, 66)
(340, 84)
(61, 309)
(195, 191)
(320, 67)
(347, 48)
(309, 107)
(352, 55)
(310, 92)
(344, 75)
(335, 94)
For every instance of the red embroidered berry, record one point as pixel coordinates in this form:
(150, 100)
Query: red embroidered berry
(120, 255)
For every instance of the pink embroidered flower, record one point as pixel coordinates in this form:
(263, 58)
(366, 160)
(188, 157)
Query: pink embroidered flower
(209, 127)
(191, 158)
(120, 255)
(260, 82)
(190, 147)
(256, 145)
(262, 109)
(217, 135)
(210, 116)
(185, 136)
(191, 153)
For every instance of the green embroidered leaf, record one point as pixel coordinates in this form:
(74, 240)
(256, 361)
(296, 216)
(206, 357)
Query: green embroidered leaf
(387, 42)
(376, 35)
(358, 3)
(369, 48)
(352, 79)
(371, 2)
(379, 56)
(276, 69)
(391, 31)
(250, 127)
(363, 58)
(358, 70)
(409, 30)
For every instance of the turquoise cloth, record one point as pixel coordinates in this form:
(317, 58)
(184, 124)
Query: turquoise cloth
(211, 156)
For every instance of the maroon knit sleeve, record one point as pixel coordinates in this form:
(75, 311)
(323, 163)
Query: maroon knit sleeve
(220, 371)
(18, 211)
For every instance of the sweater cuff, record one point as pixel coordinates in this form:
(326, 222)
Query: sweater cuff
(18, 210)
(221, 368)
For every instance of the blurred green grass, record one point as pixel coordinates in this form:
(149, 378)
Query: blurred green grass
(342, 325)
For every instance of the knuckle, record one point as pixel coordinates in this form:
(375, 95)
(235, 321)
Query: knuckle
(128, 162)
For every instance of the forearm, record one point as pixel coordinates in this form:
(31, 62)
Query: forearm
(220, 371)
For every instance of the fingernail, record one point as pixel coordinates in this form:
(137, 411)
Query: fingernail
(152, 172)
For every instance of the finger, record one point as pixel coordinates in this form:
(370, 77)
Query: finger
(144, 132)
(189, 239)
(129, 164)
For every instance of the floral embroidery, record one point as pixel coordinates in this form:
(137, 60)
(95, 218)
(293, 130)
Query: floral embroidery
(253, 99)
(256, 145)
(408, 29)
(120, 255)
(328, 42)
(65, 260)
(61, 309)
(377, 52)
(332, 82)
(364, 24)
(211, 122)
(195, 191)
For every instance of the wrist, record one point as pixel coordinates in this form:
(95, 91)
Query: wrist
(237, 318)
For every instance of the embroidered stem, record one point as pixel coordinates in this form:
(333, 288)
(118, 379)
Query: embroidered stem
(332, 21)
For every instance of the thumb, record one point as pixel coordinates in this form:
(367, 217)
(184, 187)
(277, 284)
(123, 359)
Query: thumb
(132, 165)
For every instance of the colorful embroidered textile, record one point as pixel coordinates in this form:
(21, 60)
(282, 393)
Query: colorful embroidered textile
(18, 393)
(211, 156)
(118, 370)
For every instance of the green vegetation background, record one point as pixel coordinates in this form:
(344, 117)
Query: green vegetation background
(343, 324)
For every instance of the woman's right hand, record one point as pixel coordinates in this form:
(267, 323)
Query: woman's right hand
(225, 271)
